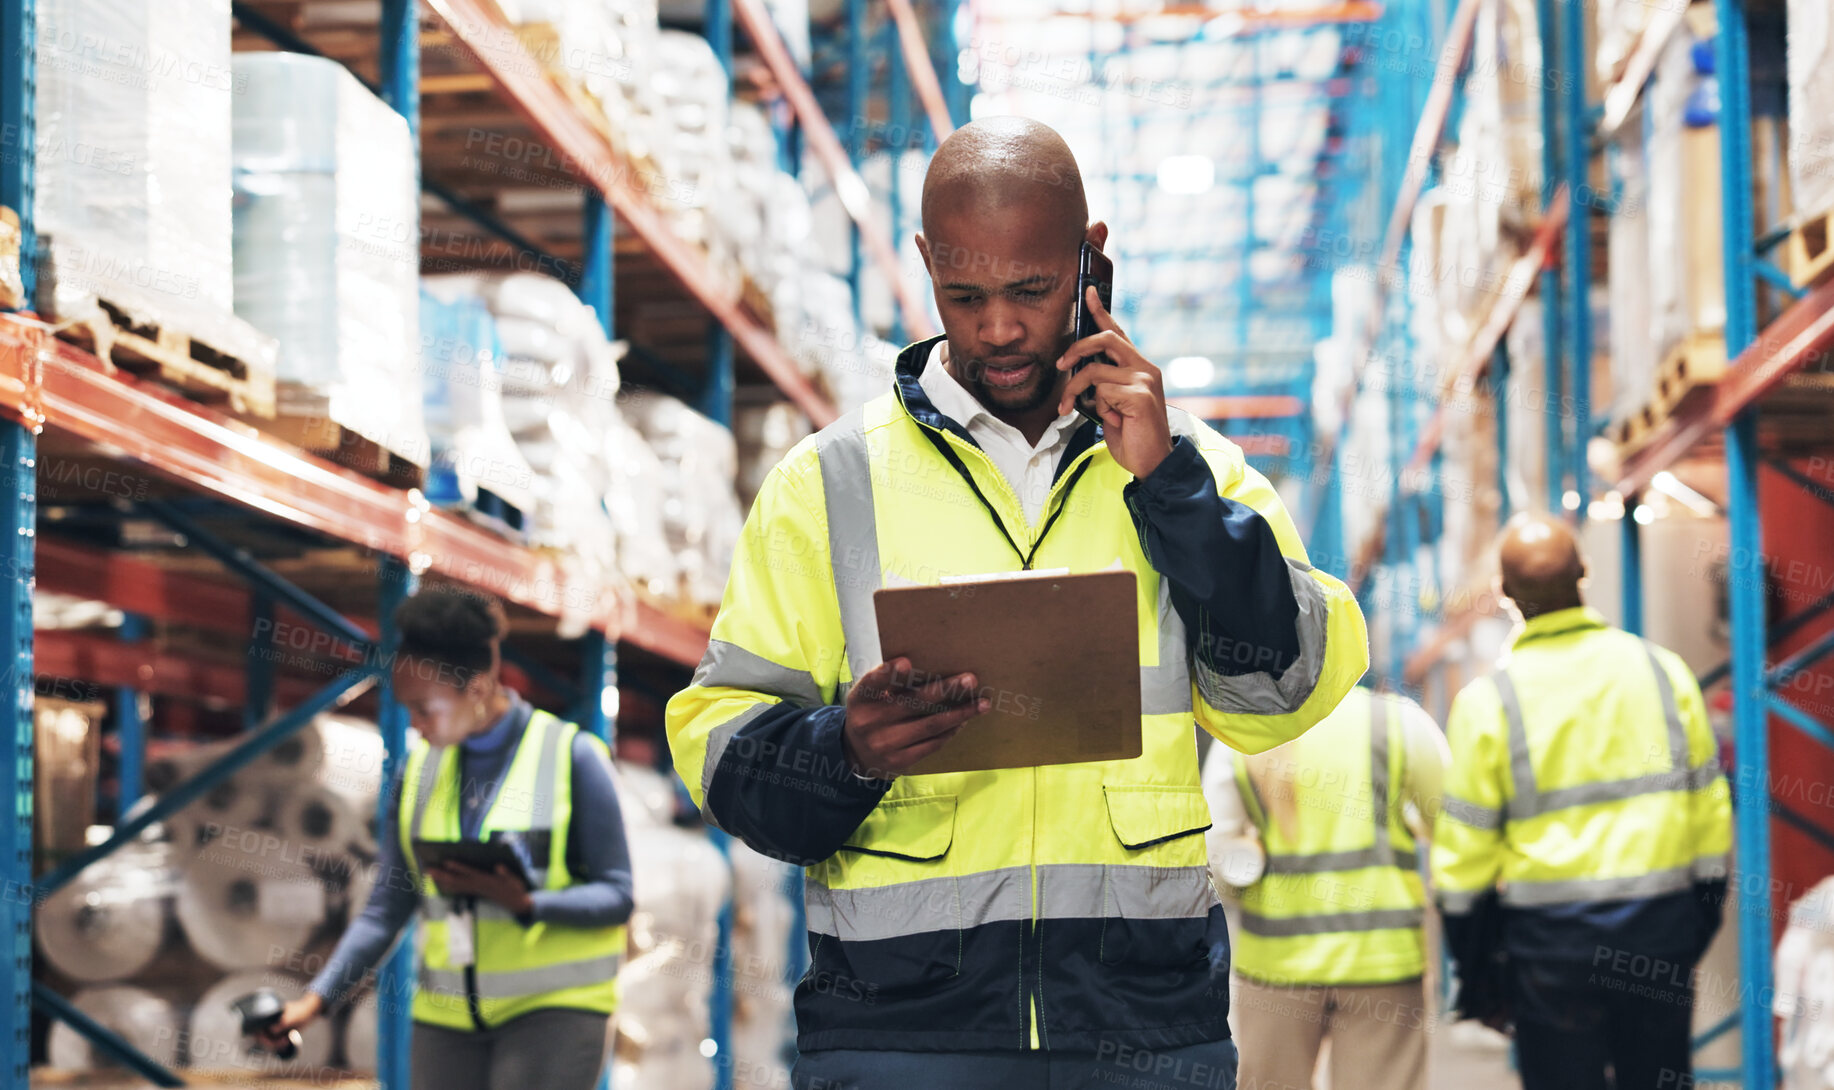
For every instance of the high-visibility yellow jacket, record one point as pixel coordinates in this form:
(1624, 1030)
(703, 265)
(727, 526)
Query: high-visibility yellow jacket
(1341, 900)
(1054, 907)
(1583, 771)
(513, 968)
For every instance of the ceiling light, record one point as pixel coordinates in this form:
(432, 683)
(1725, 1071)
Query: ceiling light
(1186, 174)
(1643, 515)
(1190, 372)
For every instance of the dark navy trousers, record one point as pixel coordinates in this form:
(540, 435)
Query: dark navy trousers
(1209, 1065)
(1574, 1023)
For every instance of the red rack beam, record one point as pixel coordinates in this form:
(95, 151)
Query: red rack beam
(1431, 127)
(1251, 19)
(922, 71)
(45, 382)
(848, 184)
(1801, 336)
(1622, 95)
(105, 661)
(1253, 407)
(480, 27)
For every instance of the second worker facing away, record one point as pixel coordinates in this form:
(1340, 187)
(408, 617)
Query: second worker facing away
(1033, 927)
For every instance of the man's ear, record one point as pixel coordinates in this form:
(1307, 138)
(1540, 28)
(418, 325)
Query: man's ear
(1097, 234)
(923, 247)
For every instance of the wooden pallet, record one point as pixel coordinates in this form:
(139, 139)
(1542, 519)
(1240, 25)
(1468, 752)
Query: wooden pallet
(317, 433)
(1690, 370)
(1809, 250)
(183, 361)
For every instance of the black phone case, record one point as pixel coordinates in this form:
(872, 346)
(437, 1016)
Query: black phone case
(1085, 322)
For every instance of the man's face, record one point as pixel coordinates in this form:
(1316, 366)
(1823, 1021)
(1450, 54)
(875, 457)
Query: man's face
(1005, 285)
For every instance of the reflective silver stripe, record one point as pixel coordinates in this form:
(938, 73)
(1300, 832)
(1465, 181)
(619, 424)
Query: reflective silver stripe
(517, 983)
(1677, 730)
(423, 793)
(1457, 902)
(1065, 891)
(853, 534)
(1704, 776)
(1709, 867)
(1522, 800)
(1282, 927)
(541, 814)
(945, 903)
(1569, 890)
(1381, 852)
(717, 741)
(1470, 813)
(1105, 891)
(729, 666)
(1322, 862)
(1165, 689)
(1259, 693)
(1588, 794)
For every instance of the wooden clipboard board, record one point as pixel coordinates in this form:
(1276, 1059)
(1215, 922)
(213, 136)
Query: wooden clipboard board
(1058, 655)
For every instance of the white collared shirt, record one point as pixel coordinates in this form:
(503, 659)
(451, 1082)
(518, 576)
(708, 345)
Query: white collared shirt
(1027, 468)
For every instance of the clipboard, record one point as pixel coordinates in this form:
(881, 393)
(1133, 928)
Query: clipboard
(1058, 655)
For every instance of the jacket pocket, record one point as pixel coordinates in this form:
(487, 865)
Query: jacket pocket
(901, 937)
(1156, 912)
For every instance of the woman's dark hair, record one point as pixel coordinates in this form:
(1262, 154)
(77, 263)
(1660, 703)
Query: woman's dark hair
(454, 628)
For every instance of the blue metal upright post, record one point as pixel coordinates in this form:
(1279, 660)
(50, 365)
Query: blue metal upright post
(596, 711)
(1745, 584)
(1551, 147)
(598, 263)
(1631, 573)
(19, 449)
(899, 121)
(1499, 395)
(858, 77)
(395, 978)
(130, 728)
(1577, 253)
(715, 401)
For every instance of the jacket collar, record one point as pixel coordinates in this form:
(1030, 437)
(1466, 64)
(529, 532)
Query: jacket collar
(916, 402)
(1559, 622)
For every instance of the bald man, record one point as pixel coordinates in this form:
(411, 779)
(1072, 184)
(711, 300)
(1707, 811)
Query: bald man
(1581, 852)
(1049, 926)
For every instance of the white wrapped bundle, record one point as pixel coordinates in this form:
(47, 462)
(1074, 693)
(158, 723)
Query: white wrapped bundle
(701, 515)
(250, 896)
(763, 919)
(113, 920)
(327, 242)
(635, 500)
(1811, 105)
(1686, 280)
(1633, 356)
(462, 373)
(133, 165)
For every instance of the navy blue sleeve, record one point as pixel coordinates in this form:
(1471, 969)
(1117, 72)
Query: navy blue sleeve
(598, 858)
(392, 901)
(782, 784)
(1228, 578)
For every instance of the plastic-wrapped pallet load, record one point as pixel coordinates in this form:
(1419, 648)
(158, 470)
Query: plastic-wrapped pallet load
(133, 185)
(764, 433)
(681, 882)
(1811, 105)
(701, 513)
(605, 47)
(1633, 356)
(763, 929)
(1686, 265)
(327, 244)
(691, 146)
(461, 372)
(635, 499)
(1805, 991)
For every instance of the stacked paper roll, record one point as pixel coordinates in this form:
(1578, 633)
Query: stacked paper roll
(763, 918)
(112, 921)
(240, 911)
(148, 1021)
(216, 1030)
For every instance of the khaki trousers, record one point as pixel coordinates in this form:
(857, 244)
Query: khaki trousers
(1377, 1033)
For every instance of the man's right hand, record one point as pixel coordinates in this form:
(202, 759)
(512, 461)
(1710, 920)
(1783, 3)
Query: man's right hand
(896, 718)
(297, 1014)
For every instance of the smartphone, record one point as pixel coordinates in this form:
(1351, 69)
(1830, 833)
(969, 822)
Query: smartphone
(1092, 268)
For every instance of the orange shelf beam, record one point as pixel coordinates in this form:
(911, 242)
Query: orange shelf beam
(1256, 407)
(918, 65)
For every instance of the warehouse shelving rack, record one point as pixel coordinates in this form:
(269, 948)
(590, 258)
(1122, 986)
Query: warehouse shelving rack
(51, 388)
(1792, 350)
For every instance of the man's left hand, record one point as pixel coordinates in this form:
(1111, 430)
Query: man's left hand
(1129, 393)
(501, 885)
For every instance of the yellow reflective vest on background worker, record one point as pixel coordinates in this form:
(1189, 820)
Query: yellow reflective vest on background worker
(1584, 770)
(1342, 900)
(511, 968)
(1053, 907)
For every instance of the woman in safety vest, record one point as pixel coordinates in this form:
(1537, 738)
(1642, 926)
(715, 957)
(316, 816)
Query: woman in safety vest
(515, 983)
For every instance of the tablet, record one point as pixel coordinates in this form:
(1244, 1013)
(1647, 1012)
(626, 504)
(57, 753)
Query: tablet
(485, 855)
(1057, 654)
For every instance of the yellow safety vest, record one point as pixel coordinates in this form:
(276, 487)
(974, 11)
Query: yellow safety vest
(514, 969)
(1585, 770)
(1342, 900)
(1055, 907)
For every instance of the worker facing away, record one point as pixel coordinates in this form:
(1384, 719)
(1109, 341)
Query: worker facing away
(1030, 927)
(1331, 943)
(515, 984)
(1581, 854)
